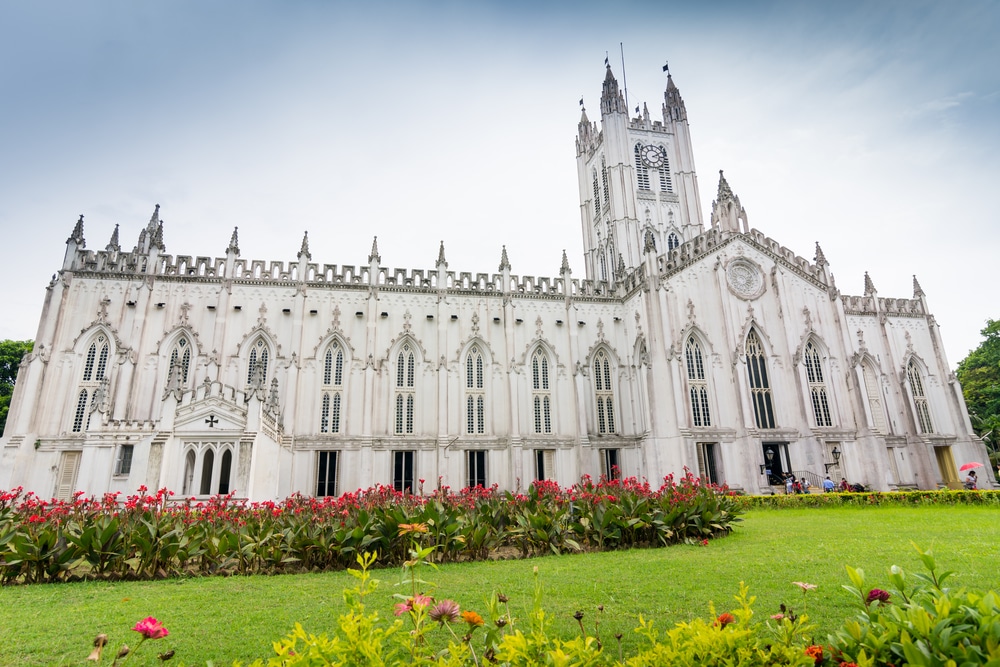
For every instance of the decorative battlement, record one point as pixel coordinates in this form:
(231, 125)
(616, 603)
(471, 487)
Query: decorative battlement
(119, 264)
(871, 305)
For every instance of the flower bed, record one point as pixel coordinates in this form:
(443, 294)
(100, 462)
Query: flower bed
(152, 536)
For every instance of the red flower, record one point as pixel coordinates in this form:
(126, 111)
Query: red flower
(150, 628)
(725, 619)
(815, 652)
(877, 594)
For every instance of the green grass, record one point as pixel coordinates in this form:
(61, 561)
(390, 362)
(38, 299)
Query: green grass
(223, 619)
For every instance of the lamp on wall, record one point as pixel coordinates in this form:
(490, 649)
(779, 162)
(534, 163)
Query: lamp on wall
(836, 459)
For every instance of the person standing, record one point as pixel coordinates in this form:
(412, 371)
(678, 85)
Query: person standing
(970, 481)
(844, 486)
(789, 480)
(828, 485)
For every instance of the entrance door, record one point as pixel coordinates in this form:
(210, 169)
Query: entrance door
(773, 466)
(946, 464)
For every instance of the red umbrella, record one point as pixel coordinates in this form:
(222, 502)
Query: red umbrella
(970, 466)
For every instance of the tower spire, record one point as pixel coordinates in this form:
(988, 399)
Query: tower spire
(77, 235)
(504, 262)
(564, 269)
(113, 245)
(820, 258)
(918, 292)
(304, 250)
(612, 100)
(727, 213)
(441, 259)
(234, 243)
(374, 256)
(869, 285)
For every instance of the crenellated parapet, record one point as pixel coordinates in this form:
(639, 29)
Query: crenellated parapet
(876, 305)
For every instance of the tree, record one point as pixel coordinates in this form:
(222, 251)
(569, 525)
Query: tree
(11, 353)
(979, 374)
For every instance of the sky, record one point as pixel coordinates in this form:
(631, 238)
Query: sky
(872, 127)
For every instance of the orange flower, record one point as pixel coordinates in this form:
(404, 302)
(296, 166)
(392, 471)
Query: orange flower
(405, 528)
(472, 618)
(815, 652)
(725, 619)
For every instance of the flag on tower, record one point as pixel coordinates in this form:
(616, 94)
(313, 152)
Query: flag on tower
(606, 62)
(666, 68)
(581, 101)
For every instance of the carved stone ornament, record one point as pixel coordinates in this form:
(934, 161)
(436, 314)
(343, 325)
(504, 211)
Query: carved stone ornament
(745, 278)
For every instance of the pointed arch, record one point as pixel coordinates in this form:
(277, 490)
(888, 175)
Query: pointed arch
(760, 383)
(696, 371)
(673, 240)
(915, 377)
(870, 376)
(474, 374)
(813, 354)
(94, 381)
(541, 392)
(641, 170)
(332, 392)
(404, 360)
(259, 359)
(603, 365)
(181, 346)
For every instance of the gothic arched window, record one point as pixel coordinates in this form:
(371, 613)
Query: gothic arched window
(641, 170)
(604, 180)
(919, 398)
(405, 390)
(541, 396)
(257, 366)
(597, 197)
(672, 241)
(181, 355)
(333, 389)
(475, 393)
(697, 383)
(604, 393)
(874, 394)
(817, 387)
(665, 183)
(93, 382)
(760, 386)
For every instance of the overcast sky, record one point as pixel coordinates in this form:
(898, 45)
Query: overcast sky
(871, 127)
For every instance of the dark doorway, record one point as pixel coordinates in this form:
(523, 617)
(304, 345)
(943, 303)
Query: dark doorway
(774, 467)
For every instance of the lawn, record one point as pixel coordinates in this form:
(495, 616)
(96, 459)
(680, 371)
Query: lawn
(224, 619)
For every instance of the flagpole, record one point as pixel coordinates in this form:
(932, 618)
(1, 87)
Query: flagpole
(621, 45)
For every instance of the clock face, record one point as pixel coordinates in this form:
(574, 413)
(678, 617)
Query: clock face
(653, 156)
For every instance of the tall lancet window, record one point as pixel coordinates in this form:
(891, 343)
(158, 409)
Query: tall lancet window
(604, 182)
(541, 397)
(672, 241)
(817, 387)
(697, 383)
(919, 398)
(257, 362)
(92, 382)
(641, 170)
(665, 184)
(333, 389)
(604, 393)
(405, 390)
(760, 386)
(475, 393)
(597, 197)
(872, 390)
(181, 354)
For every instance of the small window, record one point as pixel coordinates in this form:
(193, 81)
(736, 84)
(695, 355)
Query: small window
(672, 241)
(610, 465)
(707, 468)
(123, 465)
(544, 464)
(326, 474)
(402, 472)
(475, 468)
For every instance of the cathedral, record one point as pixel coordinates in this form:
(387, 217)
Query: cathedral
(710, 347)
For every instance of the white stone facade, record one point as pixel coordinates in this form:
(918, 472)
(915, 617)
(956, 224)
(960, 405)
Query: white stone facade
(714, 349)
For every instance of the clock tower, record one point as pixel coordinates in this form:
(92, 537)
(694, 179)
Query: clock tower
(638, 187)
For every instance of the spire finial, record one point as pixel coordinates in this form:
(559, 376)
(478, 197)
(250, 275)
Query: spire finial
(234, 243)
(504, 262)
(441, 259)
(154, 220)
(113, 245)
(304, 250)
(565, 263)
(869, 285)
(820, 258)
(917, 291)
(374, 256)
(725, 192)
(77, 235)
(157, 240)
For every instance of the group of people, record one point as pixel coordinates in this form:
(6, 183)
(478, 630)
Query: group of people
(802, 485)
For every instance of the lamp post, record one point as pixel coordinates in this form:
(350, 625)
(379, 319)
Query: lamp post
(836, 459)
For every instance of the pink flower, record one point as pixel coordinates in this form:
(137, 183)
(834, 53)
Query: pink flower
(445, 611)
(804, 586)
(150, 628)
(877, 594)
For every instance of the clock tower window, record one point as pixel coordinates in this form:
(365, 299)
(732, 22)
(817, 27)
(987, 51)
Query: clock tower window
(641, 170)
